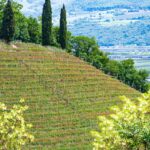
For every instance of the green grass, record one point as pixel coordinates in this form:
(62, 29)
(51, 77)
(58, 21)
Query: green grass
(65, 94)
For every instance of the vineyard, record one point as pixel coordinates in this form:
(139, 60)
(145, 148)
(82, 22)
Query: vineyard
(64, 94)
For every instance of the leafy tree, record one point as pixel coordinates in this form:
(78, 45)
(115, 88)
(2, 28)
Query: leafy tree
(63, 28)
(21, 31)
(88, 49)
(8, 24)
(13, 128)
(112, 68)
(47, 23)
(34, 30)
(126, 69)
(140, 82)
(2, 6)
(21, 26)
(83, 46)
(129, 75)
(55, 37)
(98, 59)
(128, 128)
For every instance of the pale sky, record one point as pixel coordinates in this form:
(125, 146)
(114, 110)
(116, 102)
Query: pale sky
(35, 6)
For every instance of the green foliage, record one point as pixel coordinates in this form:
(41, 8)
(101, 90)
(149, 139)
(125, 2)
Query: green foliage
(63, 28)
(126, 72)
(112, 68)
(128, 128)
(2, 6)
(26, 29)
(47, 23)
(82, 46)
(34, 30)
(98, 58)
(21, 26)
(13, 128)
(55, 36)
(21, 33)
(8, 23)
(87, 49)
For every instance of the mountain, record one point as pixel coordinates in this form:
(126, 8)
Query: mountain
(116, 22)
(64, 94)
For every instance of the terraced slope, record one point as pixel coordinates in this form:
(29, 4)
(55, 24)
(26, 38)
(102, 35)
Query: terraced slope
(65, 95)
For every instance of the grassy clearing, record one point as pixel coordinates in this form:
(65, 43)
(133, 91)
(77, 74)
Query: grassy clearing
(19, 46)
(65, 95)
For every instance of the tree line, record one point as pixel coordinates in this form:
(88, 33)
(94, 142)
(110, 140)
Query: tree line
(87, 49)
(16, 26)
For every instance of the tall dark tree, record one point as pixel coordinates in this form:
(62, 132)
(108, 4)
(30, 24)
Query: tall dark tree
(63, 28)
(8, 23)
(47, 23)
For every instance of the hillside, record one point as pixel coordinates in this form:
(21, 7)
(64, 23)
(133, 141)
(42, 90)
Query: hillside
(65, 95)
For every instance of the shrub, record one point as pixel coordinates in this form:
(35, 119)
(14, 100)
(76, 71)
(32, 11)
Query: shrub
(13, 128)
(128, 128)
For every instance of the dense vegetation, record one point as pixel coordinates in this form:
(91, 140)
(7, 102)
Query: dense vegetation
(47, 23)
(64, 94)
(128, 128)
(88, 49)
(63, 28)
(29, 30)
(8, 23)
(13, 127)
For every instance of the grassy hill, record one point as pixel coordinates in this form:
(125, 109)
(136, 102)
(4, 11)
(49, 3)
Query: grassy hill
(65, 94)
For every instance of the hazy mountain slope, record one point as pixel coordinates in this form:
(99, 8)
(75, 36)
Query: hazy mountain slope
(113, 3)
(65, 95)
(97, 17)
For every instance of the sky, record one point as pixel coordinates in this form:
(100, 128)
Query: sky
(34, 7)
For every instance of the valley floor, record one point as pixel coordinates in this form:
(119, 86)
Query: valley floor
(140, 55)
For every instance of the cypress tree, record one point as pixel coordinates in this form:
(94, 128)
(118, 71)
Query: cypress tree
(47, 23)
(8, 25)
(63, 28)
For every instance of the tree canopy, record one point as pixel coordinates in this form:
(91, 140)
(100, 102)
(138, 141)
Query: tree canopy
(47, 23)
(88, 49)
(127, 128)
(63, 28)
(8, 23)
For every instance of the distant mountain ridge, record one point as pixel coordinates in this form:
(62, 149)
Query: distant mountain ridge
(115, 22)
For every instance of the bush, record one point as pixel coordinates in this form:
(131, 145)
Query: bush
(13, 128)
(128, 128)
